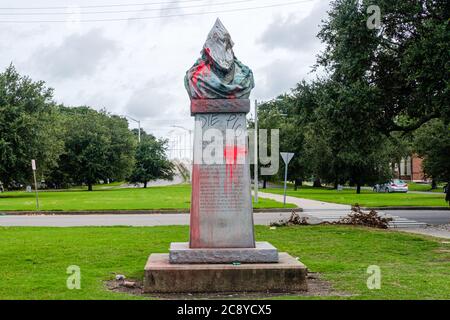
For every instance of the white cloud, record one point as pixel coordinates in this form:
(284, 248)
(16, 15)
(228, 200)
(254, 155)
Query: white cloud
(294, 32)
(78, 55)
(137, 67)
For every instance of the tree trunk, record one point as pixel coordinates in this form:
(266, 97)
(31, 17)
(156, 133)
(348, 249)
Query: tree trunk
(90, 187)
(358, 188)
(336, 185)
(317, 183)
(447, 195)
(433, 185)
(145, 185)
(298, 184)
(264, 184)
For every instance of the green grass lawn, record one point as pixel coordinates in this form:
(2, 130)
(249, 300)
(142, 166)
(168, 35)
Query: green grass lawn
(34, 260)
(425, 187)
(156, 198)
(367, 198)
(104, 186)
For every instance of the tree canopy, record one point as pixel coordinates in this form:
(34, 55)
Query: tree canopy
(151, 161)
(380, 85)
(72, 145)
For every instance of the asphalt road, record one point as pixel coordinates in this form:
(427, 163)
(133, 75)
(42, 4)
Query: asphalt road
(427, 216)
(146, 220)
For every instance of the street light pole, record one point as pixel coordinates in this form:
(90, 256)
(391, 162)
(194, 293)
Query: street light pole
(139, 125)
(256, 153)
(190, 137)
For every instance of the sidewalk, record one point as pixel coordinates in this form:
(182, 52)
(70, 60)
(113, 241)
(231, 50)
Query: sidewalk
(333, 212)
(306, 204)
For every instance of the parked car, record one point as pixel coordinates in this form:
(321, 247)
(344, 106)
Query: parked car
(395, 185)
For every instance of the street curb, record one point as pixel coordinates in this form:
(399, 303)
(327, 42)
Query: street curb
(408, 208)
(125, 212)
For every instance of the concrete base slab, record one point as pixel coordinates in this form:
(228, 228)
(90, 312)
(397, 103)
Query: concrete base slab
(181, 253)
(289, 275)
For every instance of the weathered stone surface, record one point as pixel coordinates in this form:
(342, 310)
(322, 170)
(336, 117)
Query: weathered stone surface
(289, 275)
(220, 106)
(221, 206)
(180, 253)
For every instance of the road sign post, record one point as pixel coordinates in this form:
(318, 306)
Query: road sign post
(33, 167)
(287, 157)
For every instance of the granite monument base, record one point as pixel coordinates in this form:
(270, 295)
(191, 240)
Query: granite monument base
(181, 253)
(288, 275)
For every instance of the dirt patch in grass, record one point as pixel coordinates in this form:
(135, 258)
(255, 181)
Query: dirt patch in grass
(317, 287)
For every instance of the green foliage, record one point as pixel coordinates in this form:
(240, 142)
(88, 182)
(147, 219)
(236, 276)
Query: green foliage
(29, 128)
(403, 66)
(380, 84)
(432, 142)
(151, 161)
(70, 145)
(98, 146)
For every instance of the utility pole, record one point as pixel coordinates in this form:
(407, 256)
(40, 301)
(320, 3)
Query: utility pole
(256, 153)
(33, 167)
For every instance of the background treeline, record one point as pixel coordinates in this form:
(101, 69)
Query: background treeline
(72, 146)
(384, 96)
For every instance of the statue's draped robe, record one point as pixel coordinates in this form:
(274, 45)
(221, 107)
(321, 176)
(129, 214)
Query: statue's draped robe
(205, 80)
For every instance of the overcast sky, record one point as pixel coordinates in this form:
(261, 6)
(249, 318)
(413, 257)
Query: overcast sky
(136, 67)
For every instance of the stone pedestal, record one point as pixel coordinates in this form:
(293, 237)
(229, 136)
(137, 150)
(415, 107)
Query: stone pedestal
(221, 210)
(222, 255)
(288, 275)
(264, 252)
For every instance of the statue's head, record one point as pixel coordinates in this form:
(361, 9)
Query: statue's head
(219, 47)
(218, 74)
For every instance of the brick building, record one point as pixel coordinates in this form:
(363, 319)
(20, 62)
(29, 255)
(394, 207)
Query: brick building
(410, 169)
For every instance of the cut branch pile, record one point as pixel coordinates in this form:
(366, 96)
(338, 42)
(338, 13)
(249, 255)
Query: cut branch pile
(367, 219)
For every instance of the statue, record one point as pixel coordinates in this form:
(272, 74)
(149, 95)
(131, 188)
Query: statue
(218, 74)
(222, 254)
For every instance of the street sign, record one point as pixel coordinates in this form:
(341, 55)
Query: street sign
(287, 157)
(33, 166)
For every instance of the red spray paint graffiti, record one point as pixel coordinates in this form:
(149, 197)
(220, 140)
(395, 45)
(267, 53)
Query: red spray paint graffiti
(203, 69)
(195, 208)
(231, 154)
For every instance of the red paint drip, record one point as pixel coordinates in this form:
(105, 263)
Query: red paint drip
(195, 209)
(231, 154)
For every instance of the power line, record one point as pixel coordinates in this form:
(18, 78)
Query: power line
(123, 11)
(101, 6)
(285, 4)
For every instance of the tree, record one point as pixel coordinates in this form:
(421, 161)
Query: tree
(342, 121)
(151, 161)
(276, 114)
(432, 142)
(121, 148)
(29, 128)
(97, 147)
(403, 66)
